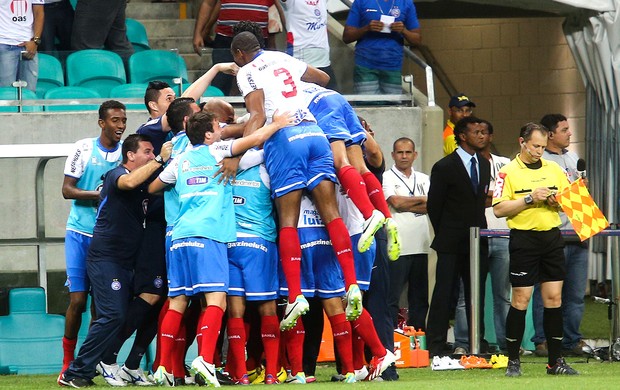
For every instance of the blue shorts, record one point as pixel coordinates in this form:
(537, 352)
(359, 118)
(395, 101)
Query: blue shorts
(253, 269)
(321, 275)
(337, 119)
(363, 262)
(298, 157)
(76, 249)
(197, 265)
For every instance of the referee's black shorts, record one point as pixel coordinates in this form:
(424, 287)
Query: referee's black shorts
(150, 269)
(536, 257)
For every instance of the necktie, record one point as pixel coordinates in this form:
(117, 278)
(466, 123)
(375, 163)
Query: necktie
(474, 175)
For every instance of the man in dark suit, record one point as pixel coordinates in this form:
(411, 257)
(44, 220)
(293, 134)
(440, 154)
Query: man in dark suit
(456, 202)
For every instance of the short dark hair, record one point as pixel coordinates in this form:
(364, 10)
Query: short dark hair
(108, 105)
(132, 144)
(403, 139)
(550, 121)
(489, 125)
(153, 91)
(198, 125)
(245, 41)
(461, 127)
(253, 27)
(179, 108)
(529, 128)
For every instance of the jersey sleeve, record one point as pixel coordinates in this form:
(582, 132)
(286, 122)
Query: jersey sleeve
(503, 189)
(74, 165)
(251, 158)
(169, 174)
(388, 184)
(411, 18)
(247, 82)
(355, 18)
(221, 149)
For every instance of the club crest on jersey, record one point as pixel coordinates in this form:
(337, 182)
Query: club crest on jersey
(116, 285)
(198, 180)
(238, 200)
(158, 282)
(395, 12)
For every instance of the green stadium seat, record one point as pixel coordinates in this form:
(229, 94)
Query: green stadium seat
(100, 70)
(136, 33)
(50, 74)
(129, 91)
(10, 93)
(161, 65)
(213, 92)
(75, 94)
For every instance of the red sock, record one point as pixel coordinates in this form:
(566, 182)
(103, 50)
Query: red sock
(170, 327)
(160, 320)
(375, 193)
(341, 242)
(178, 360)
(358, 351)
(295, 347)
(270, 333)
(236, 347)
(365, 328)
(341, 329)
(68, 347)
(199, 333)
(352, 182)
(211, 324)
(290, 257)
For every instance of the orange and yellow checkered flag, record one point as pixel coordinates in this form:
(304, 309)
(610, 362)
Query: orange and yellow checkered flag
(583, 213)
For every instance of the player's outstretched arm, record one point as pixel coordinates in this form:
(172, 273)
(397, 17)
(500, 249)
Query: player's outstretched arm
(138, 176)
(198, 87)
(261, 135)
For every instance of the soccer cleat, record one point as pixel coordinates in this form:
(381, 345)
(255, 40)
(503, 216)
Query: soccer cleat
(442, 363)
(499, 361)
(299, 378)
(514, 368)
(561, 368)
(270, 380)
(349, 377)
(76, 383)
(361, 374)
(255, 373)
(110, 373)
(310, 379)
(354, 307)
(242, 381)
(134, 377)
(293, 311)
(371, 225)
(378, 365)
(223, 377)
(206, 371)
(163, 378)
(282, 375)
(393, 242)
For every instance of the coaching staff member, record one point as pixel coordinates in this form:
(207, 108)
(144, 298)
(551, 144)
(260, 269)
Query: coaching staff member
(117, 238)
(525, 194)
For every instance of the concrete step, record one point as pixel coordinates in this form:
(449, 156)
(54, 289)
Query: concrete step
(196, 62)
(184, 44)
(166, 28)
(148, 10)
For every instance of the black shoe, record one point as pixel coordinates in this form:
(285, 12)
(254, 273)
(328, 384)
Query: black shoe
(390, 373)
(514, 368)
(224, 378)
(76, 383)
(561, 368)
(541, 349)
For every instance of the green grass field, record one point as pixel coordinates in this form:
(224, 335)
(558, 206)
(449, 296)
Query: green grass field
(594, 375)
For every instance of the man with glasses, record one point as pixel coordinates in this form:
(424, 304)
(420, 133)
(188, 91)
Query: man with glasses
(459, 107)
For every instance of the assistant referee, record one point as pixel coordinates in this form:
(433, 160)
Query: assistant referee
(525, 194)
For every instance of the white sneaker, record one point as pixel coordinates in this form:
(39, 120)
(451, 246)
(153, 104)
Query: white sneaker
(293, 311)
(371, 225)
(206, 371)
(299, 378)
(134, 377)
(110, 372)
(163, 378)
(354, 307)
(380, 364)
(393, 242)
(361, 374)
(445, 363)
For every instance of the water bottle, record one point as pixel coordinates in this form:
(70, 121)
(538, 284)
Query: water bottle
(421, 338)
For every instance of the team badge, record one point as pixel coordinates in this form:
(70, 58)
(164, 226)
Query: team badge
(158, 282)
(116, 285)
(317, 12)
(395, 12)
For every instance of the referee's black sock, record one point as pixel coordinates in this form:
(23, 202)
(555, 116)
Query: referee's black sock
(136, 313)
(144, 336)
(553, 327)
(515, 326)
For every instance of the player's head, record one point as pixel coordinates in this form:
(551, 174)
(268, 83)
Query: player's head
(158, 97)
(203, 127)
(223, 111)
(112, 121)
(179, 112)
(137, 150)
(559, 131)
(244, 47)
(253, 27)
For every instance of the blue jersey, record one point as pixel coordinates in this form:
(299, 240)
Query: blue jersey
(153, 128)
(377, 50)
(180, 143)
(88, 163)
(118, 232)
(254, 212)
(206, 206)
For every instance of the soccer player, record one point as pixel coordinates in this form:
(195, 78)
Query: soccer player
(116, 241)
(297, 158)
(206, 222)
(84, 169)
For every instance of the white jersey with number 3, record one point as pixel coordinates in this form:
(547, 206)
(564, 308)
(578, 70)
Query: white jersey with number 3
(279, 76)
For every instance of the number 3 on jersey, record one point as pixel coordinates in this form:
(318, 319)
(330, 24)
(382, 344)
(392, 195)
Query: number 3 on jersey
(290, 89)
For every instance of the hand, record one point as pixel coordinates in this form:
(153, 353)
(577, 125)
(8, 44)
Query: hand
(228, 68)
(30, 48)
(552, 201)
(397, 27)
(540, 194)
(375, 25)
(287, 118)
(228, 170)
(166, 150)
(198, 43)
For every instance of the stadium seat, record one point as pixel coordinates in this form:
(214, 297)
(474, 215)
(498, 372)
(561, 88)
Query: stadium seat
(129, 91)
(75, 94)
(136, 33)
(50, 74)
(29, 337)
(213, 92)
(100, 70)
(10, 93)
(161, 65)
